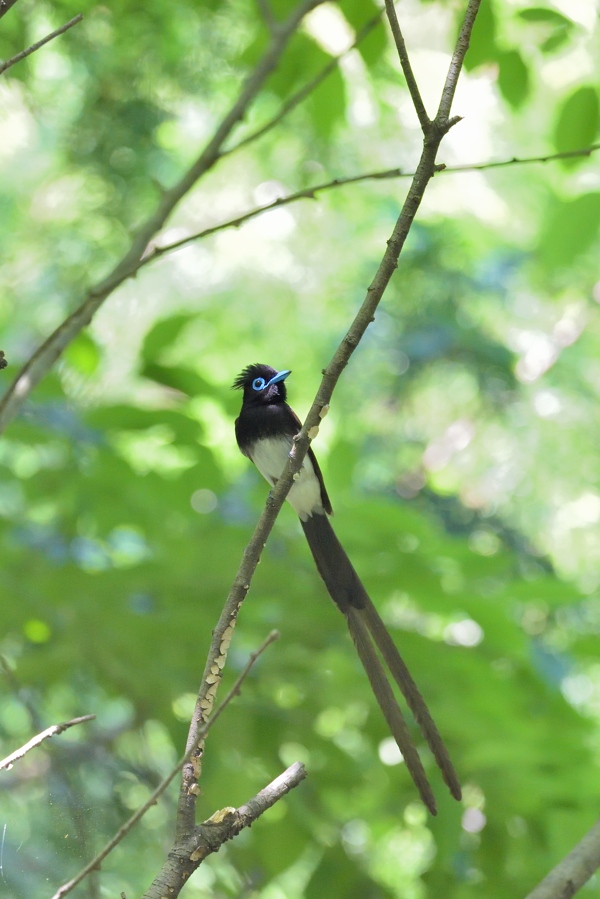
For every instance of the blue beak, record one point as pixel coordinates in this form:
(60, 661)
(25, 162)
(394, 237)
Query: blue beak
(280, 376)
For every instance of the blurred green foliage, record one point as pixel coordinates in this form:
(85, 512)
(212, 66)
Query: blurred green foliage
(460, 452)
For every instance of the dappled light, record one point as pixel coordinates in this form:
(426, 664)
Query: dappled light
(460, 449)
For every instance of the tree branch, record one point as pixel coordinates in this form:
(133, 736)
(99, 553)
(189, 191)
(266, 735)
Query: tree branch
(456, 63)
(310, 193)
(573, 871)
(47, 354)
(49, 37)
(406, 67)
(137, 815)
(222, 826)
(307, 193)
(39, 739)
(224, 630)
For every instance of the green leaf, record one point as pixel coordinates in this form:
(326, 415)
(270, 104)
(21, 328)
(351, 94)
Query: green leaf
(577, 123)
(357, 14)
(164, 334)
(513, 78)
(555, 41)
(130, 418)
(83, 354)
(570, 230)
(302, 61)
(179, 378)
(328, 102)
(482, 47)
(542, 14)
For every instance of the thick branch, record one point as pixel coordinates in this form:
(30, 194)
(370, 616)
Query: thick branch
(573, 871)
(43, 359)
(49, 37)
(208, 837)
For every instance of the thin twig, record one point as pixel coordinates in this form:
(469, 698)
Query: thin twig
(141, 811)
(411, 82)
(309, 193)
(573, 871)
(37, 740)
(49, 37)
(46, 355)
(523, 160)
(304, 92)
(241, 584)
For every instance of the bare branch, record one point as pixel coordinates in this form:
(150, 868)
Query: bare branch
(573, 871)
(49, 37)
(456, 63)
(47, 354)
(406, 67)
(137, 815)
(21, 694)
(208, 837)
(310, 193)
(523, 160)
(37, 740)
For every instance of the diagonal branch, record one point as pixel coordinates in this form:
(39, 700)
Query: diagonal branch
(456, 63)
(49, 37)
(224, 630)
(47, 354)
(307, 193)
(411, 81)
(310, 193)
(573, 871)
(222, 826)
(51, 731)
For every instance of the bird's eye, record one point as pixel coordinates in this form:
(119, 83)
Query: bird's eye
(258, 383)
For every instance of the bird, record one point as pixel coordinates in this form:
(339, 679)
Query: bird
(265, 431)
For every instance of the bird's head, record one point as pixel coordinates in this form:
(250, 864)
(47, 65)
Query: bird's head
(262, 384)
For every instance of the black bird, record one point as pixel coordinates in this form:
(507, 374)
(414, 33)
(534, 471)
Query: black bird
(265, 432)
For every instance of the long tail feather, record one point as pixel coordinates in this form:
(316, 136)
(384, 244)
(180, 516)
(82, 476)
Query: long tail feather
(348, 593)
(411, 693)
(388, 705)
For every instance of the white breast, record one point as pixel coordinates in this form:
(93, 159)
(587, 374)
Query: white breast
(270, 455)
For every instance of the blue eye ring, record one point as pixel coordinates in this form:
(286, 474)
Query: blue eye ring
(258, 384)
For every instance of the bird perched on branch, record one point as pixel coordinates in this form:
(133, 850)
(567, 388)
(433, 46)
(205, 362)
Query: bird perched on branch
(265, 432)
